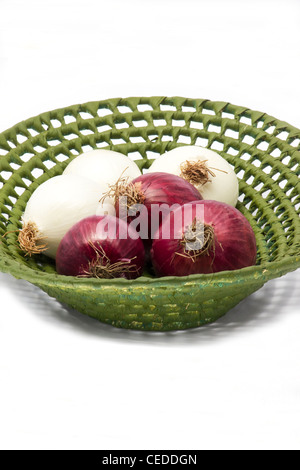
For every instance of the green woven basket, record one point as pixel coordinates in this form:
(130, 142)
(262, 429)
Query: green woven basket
(266, 157)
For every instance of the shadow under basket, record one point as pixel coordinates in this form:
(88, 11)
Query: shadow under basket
(263, 150)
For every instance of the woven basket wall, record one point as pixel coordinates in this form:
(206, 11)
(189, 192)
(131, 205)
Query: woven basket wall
(264, 151)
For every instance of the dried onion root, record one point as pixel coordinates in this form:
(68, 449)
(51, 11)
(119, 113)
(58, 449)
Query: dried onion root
(31, 241)
(102, 268)
(198, 240)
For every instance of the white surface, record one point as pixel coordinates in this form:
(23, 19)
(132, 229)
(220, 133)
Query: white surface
(69, 382)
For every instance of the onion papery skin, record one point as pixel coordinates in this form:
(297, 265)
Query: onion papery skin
(234, 242)
(103, 166)
(159, 189)
(100, 234)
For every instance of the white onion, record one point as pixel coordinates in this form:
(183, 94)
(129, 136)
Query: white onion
(103, 166)
(222, 187)
(55, 207)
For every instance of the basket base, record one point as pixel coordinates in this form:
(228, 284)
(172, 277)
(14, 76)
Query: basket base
(126, 310)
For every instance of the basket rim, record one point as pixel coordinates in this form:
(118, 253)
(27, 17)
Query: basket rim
(224, 106)
(254, 274)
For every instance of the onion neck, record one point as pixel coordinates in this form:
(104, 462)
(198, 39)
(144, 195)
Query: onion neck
(198, 240)
(129, 194)
(196, 173)
(125, 194)
(31, 241)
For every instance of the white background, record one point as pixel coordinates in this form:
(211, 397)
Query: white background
(69, 382)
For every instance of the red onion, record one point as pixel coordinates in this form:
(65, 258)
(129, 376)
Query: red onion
(205, 237)
(151, 196)
(103, 247)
